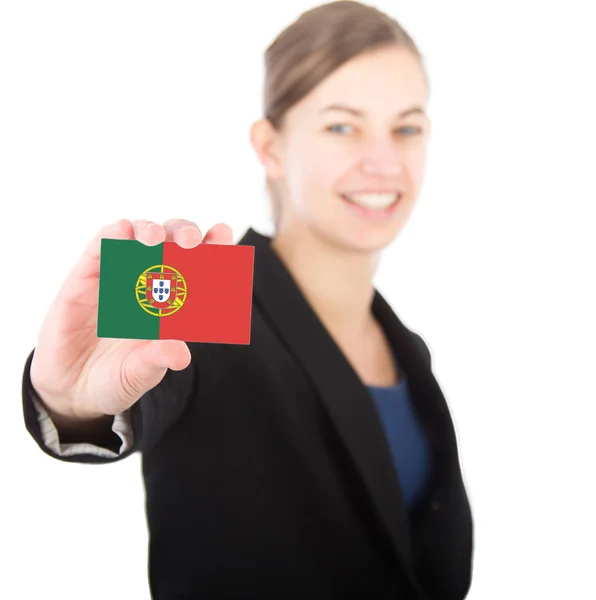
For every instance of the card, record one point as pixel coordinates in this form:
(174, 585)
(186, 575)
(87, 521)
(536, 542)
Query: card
(201, 294)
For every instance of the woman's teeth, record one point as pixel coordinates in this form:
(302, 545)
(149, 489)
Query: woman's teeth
(373, 200)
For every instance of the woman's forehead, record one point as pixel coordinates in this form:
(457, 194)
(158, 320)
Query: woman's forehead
(369, 82)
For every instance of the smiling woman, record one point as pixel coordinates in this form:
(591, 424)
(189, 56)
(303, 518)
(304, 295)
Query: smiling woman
(343, 140)
(345, 65)
(319, 460)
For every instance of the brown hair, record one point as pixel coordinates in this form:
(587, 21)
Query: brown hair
(315, 45)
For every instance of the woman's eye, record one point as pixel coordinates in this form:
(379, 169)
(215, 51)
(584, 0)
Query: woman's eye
(336, 125)
(412, 130)
(409, 131)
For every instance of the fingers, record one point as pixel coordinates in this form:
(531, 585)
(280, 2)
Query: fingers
(122, 230)
(146, 366)
(148, 232)
(185, 233)
(173, 354)
(188, 235)
(181, 231)
(221, 233)
(88, 264)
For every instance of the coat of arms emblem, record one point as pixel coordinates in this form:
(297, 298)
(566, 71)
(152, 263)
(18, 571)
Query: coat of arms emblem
(161, 290)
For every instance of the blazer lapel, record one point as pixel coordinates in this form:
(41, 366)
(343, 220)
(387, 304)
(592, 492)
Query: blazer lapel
(341, 390)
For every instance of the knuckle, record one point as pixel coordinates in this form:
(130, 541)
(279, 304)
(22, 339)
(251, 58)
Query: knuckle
(141, 224)
(175, 224)
(131, 382)
(115, 229)
(123, 224)
(179, 232)
(148, 232)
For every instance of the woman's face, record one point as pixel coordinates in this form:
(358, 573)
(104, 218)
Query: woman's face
(376, 143)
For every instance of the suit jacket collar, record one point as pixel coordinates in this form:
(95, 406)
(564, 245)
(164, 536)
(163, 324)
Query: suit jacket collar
(342, 392)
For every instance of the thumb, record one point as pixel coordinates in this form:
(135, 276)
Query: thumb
(146, 365)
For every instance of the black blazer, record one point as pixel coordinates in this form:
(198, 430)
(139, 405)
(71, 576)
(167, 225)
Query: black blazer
(267, 473)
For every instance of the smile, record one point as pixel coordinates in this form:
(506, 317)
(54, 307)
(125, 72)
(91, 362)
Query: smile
(376, 206)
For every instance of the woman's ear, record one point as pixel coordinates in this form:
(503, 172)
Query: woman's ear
(264, 140)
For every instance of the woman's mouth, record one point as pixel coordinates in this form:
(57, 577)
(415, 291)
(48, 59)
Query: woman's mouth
(373, 206)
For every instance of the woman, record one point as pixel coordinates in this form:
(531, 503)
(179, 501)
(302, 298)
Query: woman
(321, 459)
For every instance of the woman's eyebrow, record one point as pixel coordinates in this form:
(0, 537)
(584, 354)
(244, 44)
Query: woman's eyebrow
(359, 113)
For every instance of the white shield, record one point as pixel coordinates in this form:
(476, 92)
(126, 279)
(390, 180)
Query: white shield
(161, 290)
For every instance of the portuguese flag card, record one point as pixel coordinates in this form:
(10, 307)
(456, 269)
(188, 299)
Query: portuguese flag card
(202, 294)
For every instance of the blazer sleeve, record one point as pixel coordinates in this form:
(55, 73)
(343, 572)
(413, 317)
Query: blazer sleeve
(121, 426)
(139, 428)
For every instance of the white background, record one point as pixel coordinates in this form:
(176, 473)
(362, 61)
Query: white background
(142, 110)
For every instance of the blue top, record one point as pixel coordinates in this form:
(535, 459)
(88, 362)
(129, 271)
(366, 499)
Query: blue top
(406, 438)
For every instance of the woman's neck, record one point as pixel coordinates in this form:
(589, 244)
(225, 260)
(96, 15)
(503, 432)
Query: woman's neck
(336, 282)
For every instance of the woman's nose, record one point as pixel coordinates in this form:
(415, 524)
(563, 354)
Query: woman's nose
(382, 158)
